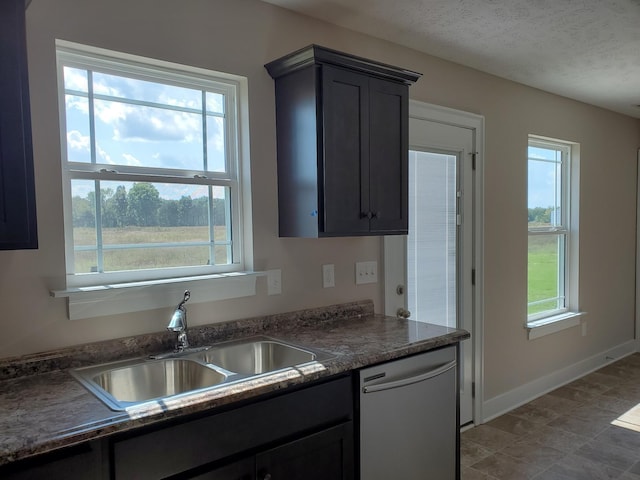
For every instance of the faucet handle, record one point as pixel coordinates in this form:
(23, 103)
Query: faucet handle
(187, 296)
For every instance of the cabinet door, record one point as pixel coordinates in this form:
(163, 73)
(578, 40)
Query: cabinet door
(344, 178)
(240, 470)
(389, 151)
(322, 456)
(81, 462)
(17, 196)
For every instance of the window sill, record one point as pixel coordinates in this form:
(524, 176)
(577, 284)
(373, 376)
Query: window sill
(557, 323)
(98, 301)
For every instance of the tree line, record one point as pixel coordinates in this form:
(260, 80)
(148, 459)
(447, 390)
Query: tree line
(540, 214)
(142, 206)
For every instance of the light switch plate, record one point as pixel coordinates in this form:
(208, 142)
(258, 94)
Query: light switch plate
(274, 282)
(328, 276)
(366, 272)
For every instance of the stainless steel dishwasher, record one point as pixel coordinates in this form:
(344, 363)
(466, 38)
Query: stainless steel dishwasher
(409, 418)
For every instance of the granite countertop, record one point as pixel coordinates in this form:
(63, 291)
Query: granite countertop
(43, 408)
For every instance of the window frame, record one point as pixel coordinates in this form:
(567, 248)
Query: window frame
(549, 321)
(234, 90)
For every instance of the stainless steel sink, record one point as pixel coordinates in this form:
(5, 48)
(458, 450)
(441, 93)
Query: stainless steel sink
(133, 382)
(136, 381)
(256, 357)
(162, 378)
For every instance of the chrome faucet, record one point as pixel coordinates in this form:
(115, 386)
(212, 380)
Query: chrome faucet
(178, 323)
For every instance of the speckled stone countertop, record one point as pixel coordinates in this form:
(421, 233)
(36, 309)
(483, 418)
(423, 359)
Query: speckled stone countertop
(43, 408)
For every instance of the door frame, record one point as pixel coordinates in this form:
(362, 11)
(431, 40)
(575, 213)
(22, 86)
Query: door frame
(474, 122)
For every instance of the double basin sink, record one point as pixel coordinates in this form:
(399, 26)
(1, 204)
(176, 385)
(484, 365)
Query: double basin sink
(133, 382)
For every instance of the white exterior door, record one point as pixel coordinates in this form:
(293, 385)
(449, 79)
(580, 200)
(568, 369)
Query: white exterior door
(434, 264)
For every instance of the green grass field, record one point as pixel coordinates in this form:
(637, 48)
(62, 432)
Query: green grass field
(542, 272)
(141, 258)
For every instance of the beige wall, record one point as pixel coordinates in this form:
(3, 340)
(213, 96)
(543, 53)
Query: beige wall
(240, 36)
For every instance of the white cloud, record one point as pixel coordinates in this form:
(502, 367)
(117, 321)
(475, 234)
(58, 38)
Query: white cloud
(218, 140)
(77, 103)
(103, 156)
(131, 160)
(111, 112)
(77, 141)
(75, 79)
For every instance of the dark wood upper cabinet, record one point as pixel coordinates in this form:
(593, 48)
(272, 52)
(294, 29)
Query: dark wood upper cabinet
(17, 191)
(342, 132)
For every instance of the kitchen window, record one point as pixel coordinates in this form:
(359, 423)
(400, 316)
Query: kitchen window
(553, 234)
(153, 182)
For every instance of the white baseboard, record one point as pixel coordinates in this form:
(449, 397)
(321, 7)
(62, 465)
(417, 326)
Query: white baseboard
(506, 402)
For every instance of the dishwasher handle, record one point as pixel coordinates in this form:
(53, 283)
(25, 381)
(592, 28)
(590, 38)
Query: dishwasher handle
(410, 380)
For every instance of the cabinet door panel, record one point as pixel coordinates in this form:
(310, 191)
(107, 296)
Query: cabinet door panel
(298, 170)
(17, 195)
(81, 462)
(325, 455)
(389, 156)
(240, 470)
(346, 150)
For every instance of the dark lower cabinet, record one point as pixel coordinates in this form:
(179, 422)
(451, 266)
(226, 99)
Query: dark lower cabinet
(17, 191)
(308, 431)
(325, 455)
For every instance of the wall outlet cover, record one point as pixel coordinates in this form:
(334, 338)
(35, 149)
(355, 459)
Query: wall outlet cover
(274, 282)
(328, 276)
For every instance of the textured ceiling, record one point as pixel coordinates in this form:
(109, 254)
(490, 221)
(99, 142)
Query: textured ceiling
(588, 50)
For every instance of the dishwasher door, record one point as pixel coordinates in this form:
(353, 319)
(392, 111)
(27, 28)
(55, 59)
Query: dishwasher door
(409, 418)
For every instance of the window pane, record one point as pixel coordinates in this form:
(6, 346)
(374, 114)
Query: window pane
(84, 225)
(432, 239)
(545, 273)
(221, 213)
(86, 261)
(147, 136)
(75, 79)
(145, 91)
(83, 210)
(544, 193)
(215, 103)
(78, 133)
(216, 148)
(151, 225)
(222, 254)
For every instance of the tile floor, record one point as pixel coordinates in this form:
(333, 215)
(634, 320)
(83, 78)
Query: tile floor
(588, 429)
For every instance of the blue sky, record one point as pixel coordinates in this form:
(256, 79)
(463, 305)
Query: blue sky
(543, 178)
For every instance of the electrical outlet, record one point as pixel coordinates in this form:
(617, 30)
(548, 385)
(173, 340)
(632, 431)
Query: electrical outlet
(366, 272)
(274, 282)
(584, 328)
(328, 276)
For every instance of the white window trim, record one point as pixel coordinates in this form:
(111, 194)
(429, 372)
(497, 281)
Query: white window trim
(538, 326)
(88, 301)
(553, 324)
(98, 301)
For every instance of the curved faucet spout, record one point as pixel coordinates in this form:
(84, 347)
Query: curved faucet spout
(178, 323)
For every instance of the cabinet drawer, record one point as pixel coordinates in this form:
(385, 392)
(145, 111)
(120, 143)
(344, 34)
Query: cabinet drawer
(179, 448)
